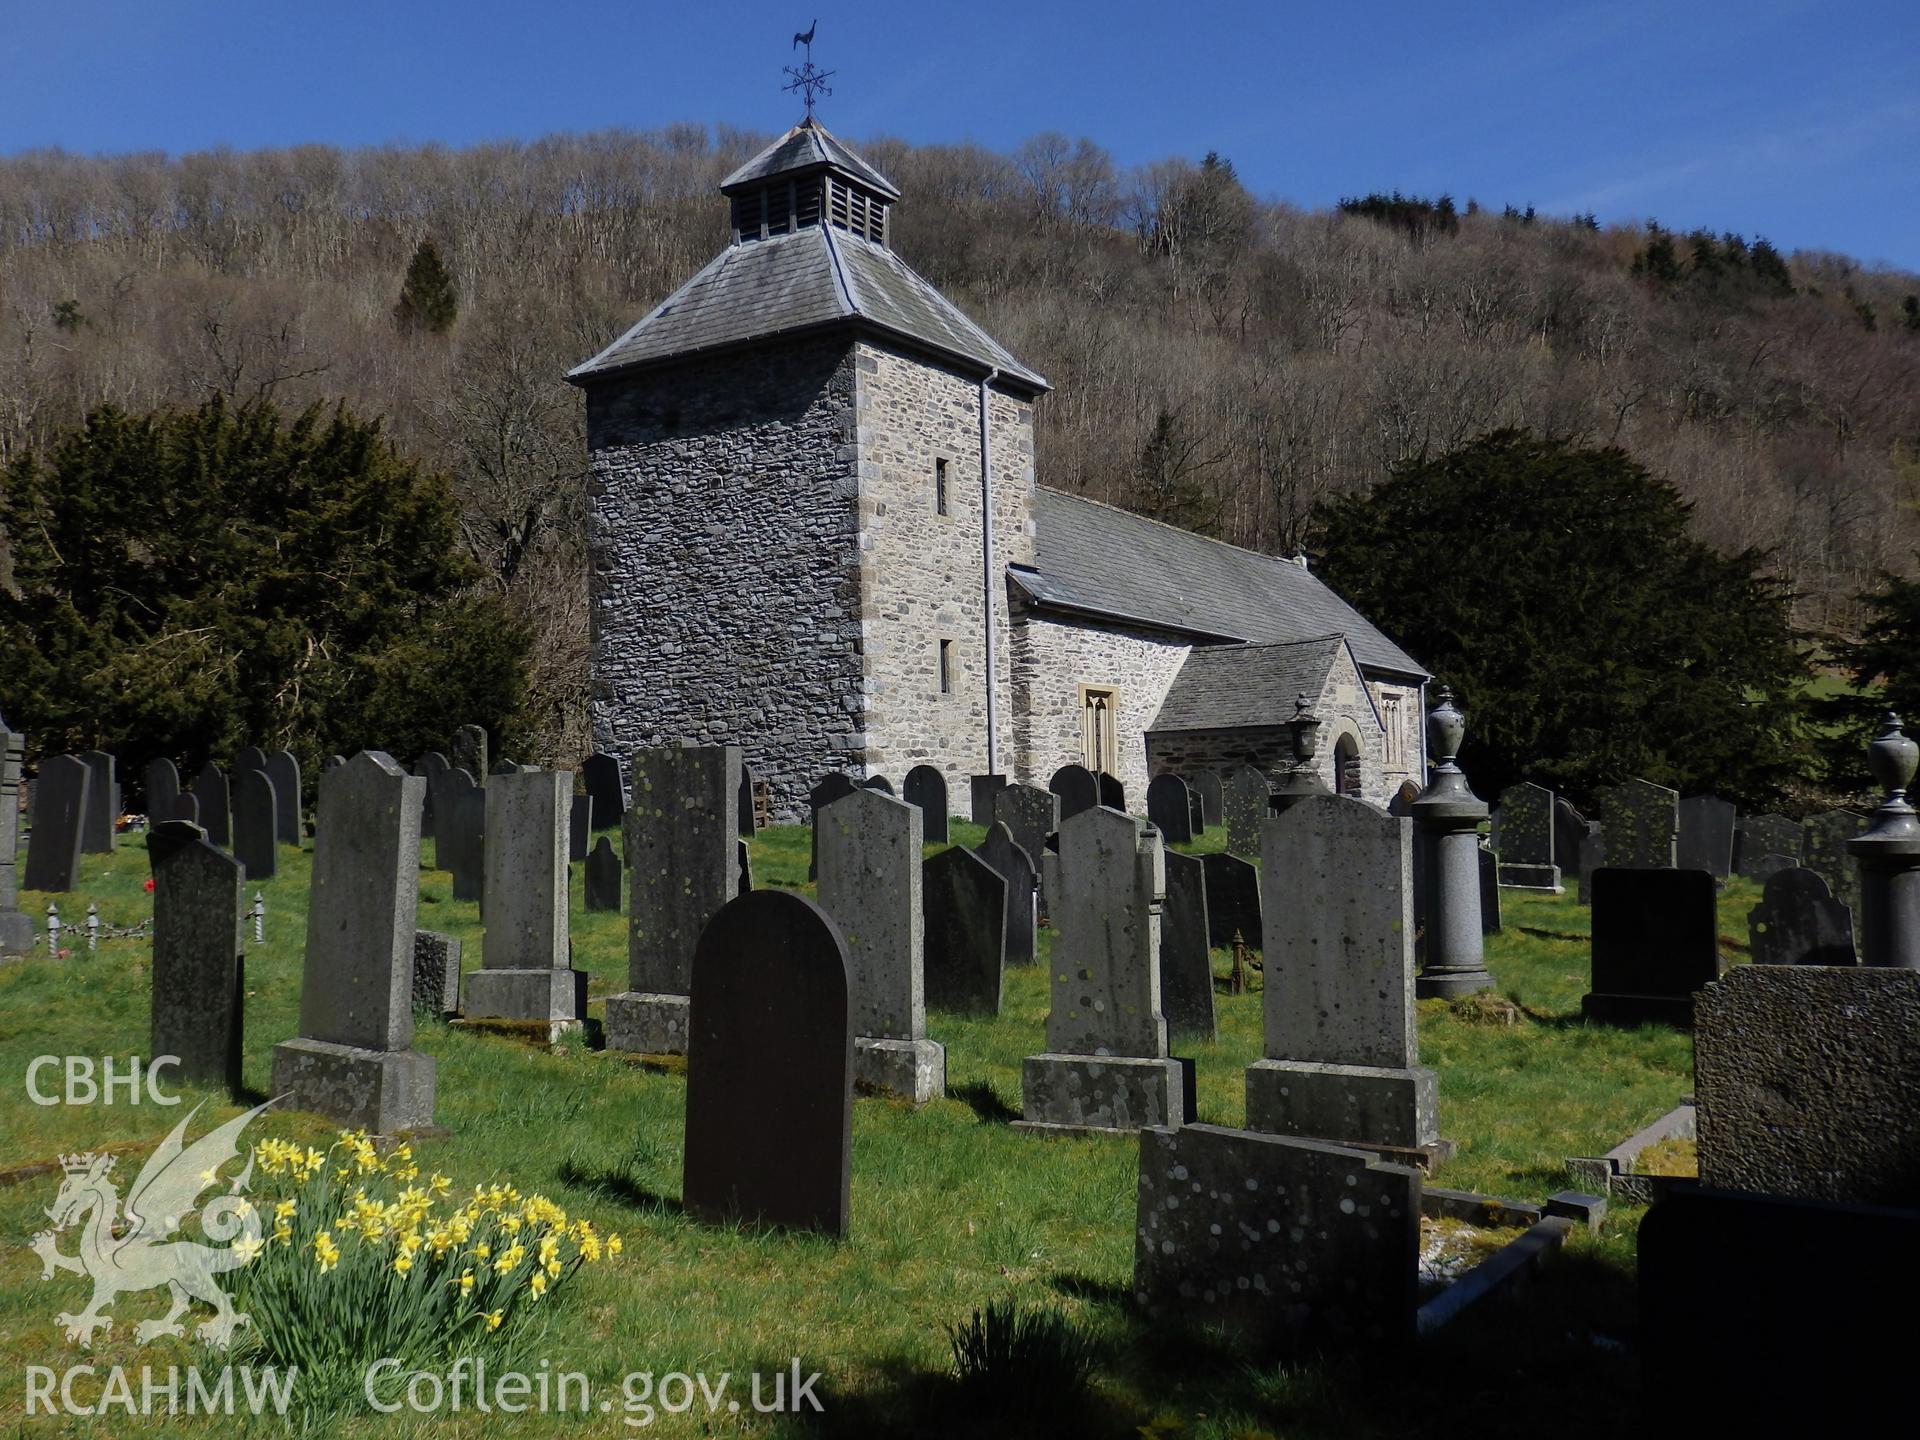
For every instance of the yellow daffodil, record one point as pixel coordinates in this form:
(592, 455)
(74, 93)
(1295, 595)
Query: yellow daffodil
(325, 1251)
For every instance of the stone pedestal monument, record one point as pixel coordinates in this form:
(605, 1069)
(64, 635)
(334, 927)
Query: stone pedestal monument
(1448, 813)
(1889, 857)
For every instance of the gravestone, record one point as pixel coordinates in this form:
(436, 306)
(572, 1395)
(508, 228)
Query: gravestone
(1759, 836)
(683, 849)
(1570, 828)
(526, 959)
(602, 776)
(1655, 943)
(469, 751)
(1031, 814)
(579, 827)
(1593, 855)
(1006, 858)
(749, 819)
(199, 992)
(1342, 1058)
(1206, 784)
(1106, 1066)
(829, 788)
(602, 877)
(1524, 836)
(1826, 854)
(1285, 1243)
(186, 806)
(1078, 789)
(284, 770)
(1233, 901)
(879, 783)
(59, 812)
(1403, 798)
(333, 762)
(870, 883)
(99, 828)
(162, 785)
(980, 792)
(462, 846)
(216, 804)
(511, 766)
(1186, 971)
(1196, 818)
(432, 768)
(1247, 798)
(770, 1068)
(436, 974)
(16, 927)
(1706, 835)
(254, 821)
(1642, 822)
(1807, 1082)
(1168, 808)
(1113, 794)
(1489, 892)
(746, 867)
(1798, 922)
(251, 757)
(353, 1060)
(926, 787)
(964, 900)
(1767, 866)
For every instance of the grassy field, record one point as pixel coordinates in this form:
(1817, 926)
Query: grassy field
(951, 1208)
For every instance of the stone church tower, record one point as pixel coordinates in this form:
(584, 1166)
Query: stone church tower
(810, 475)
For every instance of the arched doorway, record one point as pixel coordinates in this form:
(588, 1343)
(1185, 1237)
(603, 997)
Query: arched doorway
(1346, 766)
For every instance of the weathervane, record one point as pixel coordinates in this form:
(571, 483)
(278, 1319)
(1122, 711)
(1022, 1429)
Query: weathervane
(810, 82)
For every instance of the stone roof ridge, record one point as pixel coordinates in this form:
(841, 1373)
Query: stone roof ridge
(1270, 558)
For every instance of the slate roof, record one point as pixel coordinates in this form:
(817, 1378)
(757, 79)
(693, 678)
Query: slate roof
(1095, 559)
(806, 147)
(1224, 687)
(810, 279)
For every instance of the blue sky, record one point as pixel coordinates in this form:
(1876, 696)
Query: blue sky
(1795, 119)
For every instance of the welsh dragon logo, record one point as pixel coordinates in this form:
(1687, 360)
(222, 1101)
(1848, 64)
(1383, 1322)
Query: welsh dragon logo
(133, 1250)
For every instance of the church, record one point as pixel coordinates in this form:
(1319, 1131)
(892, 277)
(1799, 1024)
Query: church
(816, 532)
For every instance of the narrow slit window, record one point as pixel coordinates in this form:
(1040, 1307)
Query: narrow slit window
(940, 487)
(946, 667)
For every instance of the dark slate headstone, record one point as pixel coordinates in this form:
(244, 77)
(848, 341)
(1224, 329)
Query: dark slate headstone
(254, 820)
(1004, 855)
(436, 974)
(284, 770)
(59, 812)
(1168, 810)
(1292, 1244)
(1807, 1082)
(186, 806)
(199, 898)
(1759, 836)
(1206, 784)
(251, 757)
(1078, 789)
(216, 804)
(99, 830)
(1798, 1347)
(1798, 922)
(1403, 798)
(602, 776)
(463, 841)
(1642, 823)
(877, 782)
(1186, 972)
(746, 868)
(964, 902)
(1247, 799)
(1827, 834)
(163, 790)
(1570, 828)
(1706, 835)
(1655, 943)
(1113, 794)
(469, 750)
(926, 787)
(1489, 892)
(579, 828)
(603, 876)
(1593, 855)
(769, 1118)
(1030, 813)
(1525, 825)
(980, 792)
(332, 762)
(510, 766)
(829, 788)
(1233, 900)
(16, 927)
(749, 816)
(431, 767)
(1768, 866)
(1196, 814)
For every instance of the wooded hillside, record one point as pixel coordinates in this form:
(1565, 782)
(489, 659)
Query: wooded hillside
(1219, 362)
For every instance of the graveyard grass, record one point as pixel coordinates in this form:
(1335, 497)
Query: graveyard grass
(952, 1209)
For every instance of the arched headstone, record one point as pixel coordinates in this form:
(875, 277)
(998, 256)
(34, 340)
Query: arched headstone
(602, 776)
(926, 787)
(1078, 789)
(254, 819)
(965, 909)
(1168, 809)
(284, 770)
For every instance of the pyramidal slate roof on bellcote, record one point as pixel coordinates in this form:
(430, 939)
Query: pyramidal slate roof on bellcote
(806, 147)
(1094, 559)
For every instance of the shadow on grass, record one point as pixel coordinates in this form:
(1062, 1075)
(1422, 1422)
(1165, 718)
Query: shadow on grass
(985, 1102)
(619, 1184)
